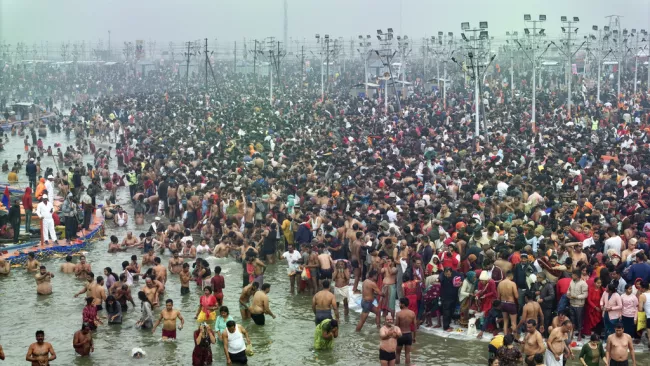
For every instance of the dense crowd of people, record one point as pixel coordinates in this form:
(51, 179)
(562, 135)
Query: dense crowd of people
(540, 228)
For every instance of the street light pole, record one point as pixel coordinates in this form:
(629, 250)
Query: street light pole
(479, 34)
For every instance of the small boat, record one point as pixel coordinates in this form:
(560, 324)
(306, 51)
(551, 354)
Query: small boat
(22, 110)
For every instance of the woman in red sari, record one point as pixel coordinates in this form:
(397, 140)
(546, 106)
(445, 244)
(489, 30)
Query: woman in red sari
(412, 290)
(593, 312)
(487, 292)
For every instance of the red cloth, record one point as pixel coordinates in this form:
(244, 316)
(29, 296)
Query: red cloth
(206, 303)
(449, 261)
(562, 287)
(592, 315)
(89, 314)
(27, 199)
(218, 284)
(411, 292)
(486, 294)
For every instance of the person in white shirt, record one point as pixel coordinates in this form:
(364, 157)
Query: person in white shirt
(44, 211)
(292, 256)
(49, 185)
(614, 242)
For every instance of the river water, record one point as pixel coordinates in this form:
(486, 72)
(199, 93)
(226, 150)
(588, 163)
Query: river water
(286, 340)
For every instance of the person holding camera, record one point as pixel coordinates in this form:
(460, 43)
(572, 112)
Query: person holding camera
(203, 338)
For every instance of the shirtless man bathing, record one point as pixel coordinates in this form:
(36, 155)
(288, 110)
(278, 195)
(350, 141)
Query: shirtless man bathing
(168, 316)
(341, 285)
(43, 284)
(41, 352)
(82, 268)
(369, 291)
(508, 296)
(533, 343)
(323, 303)
(618, 345)
(68, 266)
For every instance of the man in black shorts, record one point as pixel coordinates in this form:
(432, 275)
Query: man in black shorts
(388, 335)
(405, 320)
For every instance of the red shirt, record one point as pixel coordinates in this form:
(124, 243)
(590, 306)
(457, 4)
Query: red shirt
(562, 287)
(218, 284)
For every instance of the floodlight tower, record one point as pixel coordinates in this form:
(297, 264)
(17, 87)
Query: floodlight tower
(387, 53)
(512, 36)
(638, 49)
(599, 53)
(533, 39)
(569, 29)
(365, 44)
(403, 47)
(475, 53)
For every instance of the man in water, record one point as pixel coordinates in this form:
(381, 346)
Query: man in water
(326, 266)
(130, 241)
(406, 321)
(557, 346)
(98, 292)
(175, 264)
(82, 268)
(221, 250)
(618, 346)
(531, 311)
(292, 256)
(323, 303)
(185, 277)
(32, 264)
(369, 291)
(169, 316)
(151, 291)
(160, 270)
(41, 352)
(244, 299)
(83, 341)
(341, 285)
(260, 305)
(508, 295)
(68, 266)
(43, 285)
(388, 335)
(5, 267)
(533, 342)
(90, 277)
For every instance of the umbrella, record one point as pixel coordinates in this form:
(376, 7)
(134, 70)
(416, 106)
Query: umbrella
(5, 197)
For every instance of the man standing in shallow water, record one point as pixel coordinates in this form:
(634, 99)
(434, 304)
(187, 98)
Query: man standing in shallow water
(83, 341)
(618, 345)
(41, 352)
(168, 316)
(43, 285)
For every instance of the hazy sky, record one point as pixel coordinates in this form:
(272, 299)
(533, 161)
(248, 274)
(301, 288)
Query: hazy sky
(229, 20)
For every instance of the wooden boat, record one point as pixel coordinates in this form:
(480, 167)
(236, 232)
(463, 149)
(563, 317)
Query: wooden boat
(24, 109)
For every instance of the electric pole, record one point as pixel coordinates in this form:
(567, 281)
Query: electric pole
(569, 29)
(187, 72)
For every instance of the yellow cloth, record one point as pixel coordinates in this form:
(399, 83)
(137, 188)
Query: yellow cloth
(497, 341)
(641, 321)
(12, 177)
(201, 317)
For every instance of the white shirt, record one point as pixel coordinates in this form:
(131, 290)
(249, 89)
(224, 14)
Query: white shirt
(44, 211)
(202, 249)
(49, 187)
(614, 243)
(502, 188)
(292, 260)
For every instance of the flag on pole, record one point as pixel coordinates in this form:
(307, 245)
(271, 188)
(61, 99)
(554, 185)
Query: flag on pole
(5, 197)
